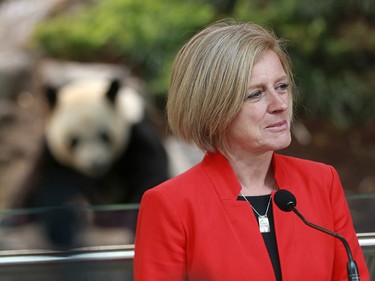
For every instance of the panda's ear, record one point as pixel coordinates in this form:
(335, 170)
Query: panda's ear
(113, 90)
(51, 95)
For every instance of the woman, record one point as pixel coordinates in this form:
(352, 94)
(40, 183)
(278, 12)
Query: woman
(231, 94)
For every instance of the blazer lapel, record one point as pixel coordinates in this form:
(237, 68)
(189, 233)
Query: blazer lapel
(285, 222)
(246, 231)
(242, 220)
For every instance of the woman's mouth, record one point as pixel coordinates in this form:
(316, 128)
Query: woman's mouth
(278, 126)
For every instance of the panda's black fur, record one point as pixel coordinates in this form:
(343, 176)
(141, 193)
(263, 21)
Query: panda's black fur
(142, 165)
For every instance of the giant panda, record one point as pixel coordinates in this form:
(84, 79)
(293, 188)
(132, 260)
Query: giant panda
(100, 147)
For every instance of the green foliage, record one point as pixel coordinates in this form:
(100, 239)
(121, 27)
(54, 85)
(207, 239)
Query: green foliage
(332, 44)
(145, 34)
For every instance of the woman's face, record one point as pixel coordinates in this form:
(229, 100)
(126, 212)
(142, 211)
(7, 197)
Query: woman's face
(263, 123)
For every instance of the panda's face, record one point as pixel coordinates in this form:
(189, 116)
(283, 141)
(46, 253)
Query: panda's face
(85, 130)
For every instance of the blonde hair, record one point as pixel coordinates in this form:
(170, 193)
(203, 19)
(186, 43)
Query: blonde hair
(210, 75)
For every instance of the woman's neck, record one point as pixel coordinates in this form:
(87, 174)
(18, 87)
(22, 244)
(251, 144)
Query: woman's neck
(255, 173)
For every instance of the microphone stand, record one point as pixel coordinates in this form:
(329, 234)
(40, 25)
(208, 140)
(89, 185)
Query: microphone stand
(352, 269)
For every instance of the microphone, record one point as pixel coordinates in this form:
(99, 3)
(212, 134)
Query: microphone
(287, 202)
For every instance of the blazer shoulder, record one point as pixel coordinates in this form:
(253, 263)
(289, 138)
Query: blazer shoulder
(302, 172)
(300, 163)
(184, 183)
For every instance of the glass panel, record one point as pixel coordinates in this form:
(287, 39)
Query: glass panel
(93, 243)
(362, 208)
(67, 228)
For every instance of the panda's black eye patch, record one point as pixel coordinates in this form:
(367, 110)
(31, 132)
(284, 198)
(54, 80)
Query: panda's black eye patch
(73, 142)
(105, 137)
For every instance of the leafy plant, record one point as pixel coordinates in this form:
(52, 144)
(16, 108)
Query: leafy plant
(332, 44)
(144, 35)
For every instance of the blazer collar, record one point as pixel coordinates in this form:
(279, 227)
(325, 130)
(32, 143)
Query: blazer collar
(221, 175)
(282, 176)
(225, 181)
(227, 186)
(244, 224)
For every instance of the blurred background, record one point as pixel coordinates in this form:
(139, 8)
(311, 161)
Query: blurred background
(332, 45)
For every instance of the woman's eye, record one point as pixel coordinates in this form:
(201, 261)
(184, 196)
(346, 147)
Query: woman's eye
(254, 95)
(282, 86)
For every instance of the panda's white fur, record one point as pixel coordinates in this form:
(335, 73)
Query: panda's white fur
(83, 111)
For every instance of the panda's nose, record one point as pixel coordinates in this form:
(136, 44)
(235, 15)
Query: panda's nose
(97, 169)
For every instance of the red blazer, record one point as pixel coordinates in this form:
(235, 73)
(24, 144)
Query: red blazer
(192, 227)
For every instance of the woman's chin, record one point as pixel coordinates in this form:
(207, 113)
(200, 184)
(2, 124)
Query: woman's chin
(282, 143)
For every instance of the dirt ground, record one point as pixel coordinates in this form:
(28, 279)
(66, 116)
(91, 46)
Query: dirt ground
(21, 126)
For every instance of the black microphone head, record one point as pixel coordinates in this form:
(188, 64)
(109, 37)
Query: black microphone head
(285, 200)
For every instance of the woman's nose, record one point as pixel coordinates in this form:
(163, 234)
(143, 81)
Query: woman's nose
(278, 101)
